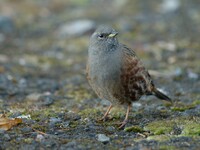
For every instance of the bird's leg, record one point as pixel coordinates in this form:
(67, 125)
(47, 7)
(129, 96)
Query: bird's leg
(106, 114)
(126, 118)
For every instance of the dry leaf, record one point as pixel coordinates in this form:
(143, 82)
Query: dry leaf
(7, 123)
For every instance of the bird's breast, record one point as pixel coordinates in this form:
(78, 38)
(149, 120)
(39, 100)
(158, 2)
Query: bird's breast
(104, 72)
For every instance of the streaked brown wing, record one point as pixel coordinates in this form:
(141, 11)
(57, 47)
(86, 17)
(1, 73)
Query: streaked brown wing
(135, 79)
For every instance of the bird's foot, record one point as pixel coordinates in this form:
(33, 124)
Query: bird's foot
(103, 119)
(122, 124)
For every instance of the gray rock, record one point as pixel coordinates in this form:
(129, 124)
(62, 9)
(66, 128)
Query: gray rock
(2, 38)
(6, 137)
(169, 5)
(111, 129)
(6, 25)
(71, 146)
(26, 129)
(103, 138)
(66, 124)
(46, 100)
(136, 106)
(192, 75)
(39, 137)
(55, 120)
(105, 102)
(33, 97)
(76, 28)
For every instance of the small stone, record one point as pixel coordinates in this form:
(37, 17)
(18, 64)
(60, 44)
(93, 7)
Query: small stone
(169, 5)
(6, 25)
(192, 75)
(70, 145)
(26, 129)
(22, 83)
(39, 137)
(110, 129)
(136, 106)
(6, 137)
(105, 102)
(65, 124)
(103, 138)
(2, 38)
(46, 100)
(55, 120)
(3, 58)
(33, 97)
(24, 116)
(2, 132)
(76, 28)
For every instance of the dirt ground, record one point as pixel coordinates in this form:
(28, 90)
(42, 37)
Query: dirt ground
(43, 54)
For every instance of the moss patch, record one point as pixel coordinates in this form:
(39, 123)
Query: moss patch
(182, 107)
(78, 94)
(134, 129)
(90, 112)
(167, 147)
(159, 138)
(188, 126)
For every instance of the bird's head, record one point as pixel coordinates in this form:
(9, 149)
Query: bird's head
(104, 39)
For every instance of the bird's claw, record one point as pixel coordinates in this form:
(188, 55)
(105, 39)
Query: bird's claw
(122, 124)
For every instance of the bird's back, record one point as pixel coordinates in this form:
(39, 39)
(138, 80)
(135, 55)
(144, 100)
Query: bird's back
(135, 79)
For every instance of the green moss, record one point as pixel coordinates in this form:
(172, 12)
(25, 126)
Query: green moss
(44, 113)
(167, 147)
(160, 127)
(134, 129)
(159, 138)
(78, 94)
(74, 124)
(28, 140)
(196, 102)
(188, 126)
(182, 107)
(117, 113)
(90, 112)
(39, 127)
(191, 128)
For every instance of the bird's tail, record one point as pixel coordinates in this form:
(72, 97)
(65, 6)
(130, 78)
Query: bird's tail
(161, 96)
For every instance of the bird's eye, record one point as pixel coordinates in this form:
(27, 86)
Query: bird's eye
(101, 36)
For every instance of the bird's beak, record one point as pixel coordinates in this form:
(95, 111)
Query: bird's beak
(112, 34)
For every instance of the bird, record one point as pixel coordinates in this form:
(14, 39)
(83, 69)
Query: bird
(116, 73)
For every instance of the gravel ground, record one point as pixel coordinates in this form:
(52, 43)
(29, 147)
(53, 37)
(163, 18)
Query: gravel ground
(43, 52)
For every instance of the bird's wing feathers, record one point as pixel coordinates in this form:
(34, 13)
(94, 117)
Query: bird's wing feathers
(135, 78)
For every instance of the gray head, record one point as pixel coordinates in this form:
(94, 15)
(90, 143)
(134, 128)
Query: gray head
(103, 40)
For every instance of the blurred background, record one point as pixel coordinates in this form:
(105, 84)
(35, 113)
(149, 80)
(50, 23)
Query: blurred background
(43, 44)
(43, 54)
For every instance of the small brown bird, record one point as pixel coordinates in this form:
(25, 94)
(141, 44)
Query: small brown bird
(115, 72)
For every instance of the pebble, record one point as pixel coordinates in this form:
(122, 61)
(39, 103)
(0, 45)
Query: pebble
(111, 129)
(65, 124)
(169, 5)
(55, 120)
(2, 38)
(103, 138)
(136, 106)
(46, 100)
(33, 97)
(6, 137)
(105, 102)
(39, 137)
(192, 75)
(2, 132)
(71, 145)
(26, 129)
(76, 28)
(6, 25)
